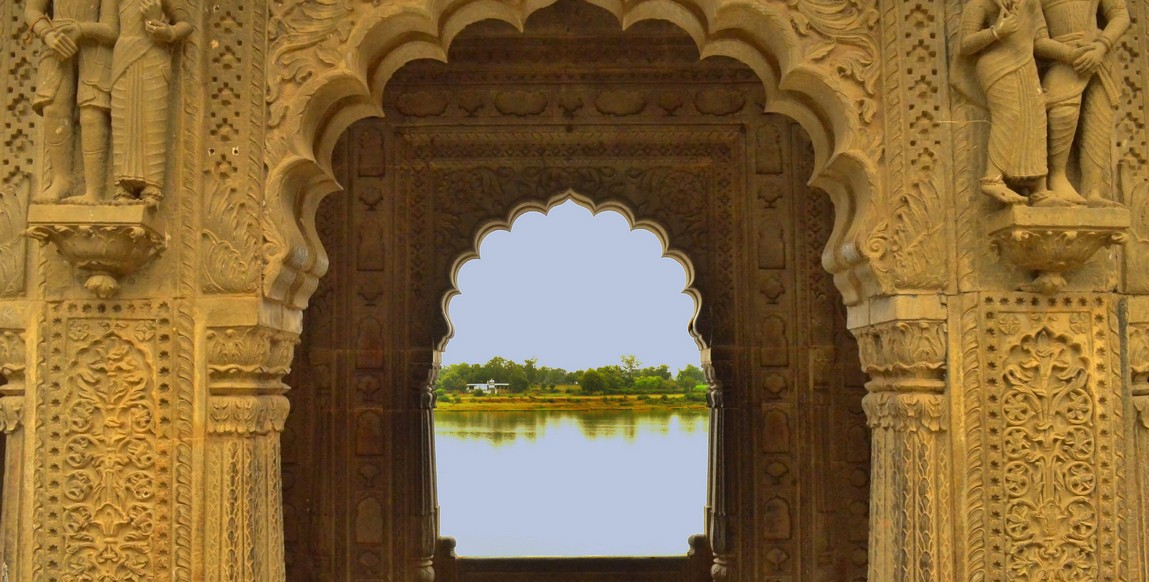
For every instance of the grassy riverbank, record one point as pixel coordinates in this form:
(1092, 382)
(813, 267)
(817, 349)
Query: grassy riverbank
(571, 402)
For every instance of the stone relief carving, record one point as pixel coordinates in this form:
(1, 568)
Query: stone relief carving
(109, 243)
(140, 81)
(1052, 242)
(75, 63)
(104, 496)
(1030, 148)
(1042, 504)
(1081, 94)
(109, 61)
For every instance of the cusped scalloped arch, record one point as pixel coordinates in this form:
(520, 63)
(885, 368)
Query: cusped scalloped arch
(816, 59)
(680, 256)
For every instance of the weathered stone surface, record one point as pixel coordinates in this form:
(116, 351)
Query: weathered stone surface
(885, 402)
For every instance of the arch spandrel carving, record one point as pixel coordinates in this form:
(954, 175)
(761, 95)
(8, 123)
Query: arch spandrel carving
(817, 61)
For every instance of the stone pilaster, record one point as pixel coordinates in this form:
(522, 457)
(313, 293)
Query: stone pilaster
(1041, 460)
(722, 511)
(12, 368)
(1137, 350)
(246, 409)
(903, 347)
(422, 510)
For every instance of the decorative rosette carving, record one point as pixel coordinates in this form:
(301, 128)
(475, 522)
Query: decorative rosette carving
(109, 242)
(1054, 241)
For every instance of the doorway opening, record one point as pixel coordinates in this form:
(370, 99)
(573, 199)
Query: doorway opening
(571, 417)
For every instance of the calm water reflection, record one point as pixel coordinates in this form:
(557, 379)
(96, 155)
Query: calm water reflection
(563, 483)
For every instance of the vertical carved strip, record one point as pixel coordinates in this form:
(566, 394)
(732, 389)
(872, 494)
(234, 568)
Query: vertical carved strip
(722, 494)
(1132, 144)
(1051, 422)
(246, 414)
(17, 152)
(423, 513)
(104, 470)
(908, 248)
(1138, 354)
(906, 410)
(12, 367)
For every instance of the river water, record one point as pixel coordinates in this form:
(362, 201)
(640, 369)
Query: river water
(565, 483)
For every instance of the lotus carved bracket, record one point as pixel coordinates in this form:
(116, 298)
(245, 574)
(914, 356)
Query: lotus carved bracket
(108, 242)
(1054, 241)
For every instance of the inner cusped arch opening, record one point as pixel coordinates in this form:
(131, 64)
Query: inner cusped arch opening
(545, 464)
(570, 199)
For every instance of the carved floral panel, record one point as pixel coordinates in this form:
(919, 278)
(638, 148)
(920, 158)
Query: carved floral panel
(1043, 418)
(112, 494)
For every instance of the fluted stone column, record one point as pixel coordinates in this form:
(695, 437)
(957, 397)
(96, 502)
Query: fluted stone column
(906, 407)
(246, 409)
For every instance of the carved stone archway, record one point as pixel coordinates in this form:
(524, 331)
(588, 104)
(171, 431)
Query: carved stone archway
(817, 62)
(197, 302)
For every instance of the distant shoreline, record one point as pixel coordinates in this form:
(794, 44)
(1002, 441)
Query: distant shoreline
(651, 402)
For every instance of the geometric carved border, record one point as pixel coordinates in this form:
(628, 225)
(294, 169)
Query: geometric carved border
(1042, 413)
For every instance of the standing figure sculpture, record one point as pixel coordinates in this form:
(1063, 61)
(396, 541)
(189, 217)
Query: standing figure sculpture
(1001, 38)
(141, 83)
(73, 73)
(1082, 93)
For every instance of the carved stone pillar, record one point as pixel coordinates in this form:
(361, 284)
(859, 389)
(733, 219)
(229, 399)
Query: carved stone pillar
(246, 410)
(723, 490)
(12, 366)
(422, 509)
(1137, 336)
(903, 349)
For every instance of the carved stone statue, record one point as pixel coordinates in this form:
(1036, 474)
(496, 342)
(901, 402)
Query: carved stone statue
(73, 73)
(140, 81)
(1001, 38)
(1081, 94)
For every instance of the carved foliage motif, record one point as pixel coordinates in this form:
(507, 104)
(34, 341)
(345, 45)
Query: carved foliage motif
(909, 353)
(249, 357)
(844, 35)
(105, 476)
(1050, 413)
(230, 257)
(908, 248)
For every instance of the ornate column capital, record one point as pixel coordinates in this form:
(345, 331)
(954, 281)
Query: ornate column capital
(247, 415)
(249, 359)
(13, 356)
(906, 412)
(904, 355)
(11, 414)
(1138, 350)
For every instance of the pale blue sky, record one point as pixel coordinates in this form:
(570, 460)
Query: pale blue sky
(574, 290)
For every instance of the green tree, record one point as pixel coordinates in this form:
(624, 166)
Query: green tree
(592, 381)
(689, 377)
(630, 367)
(648, 384)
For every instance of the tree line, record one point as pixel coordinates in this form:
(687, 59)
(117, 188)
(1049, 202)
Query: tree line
(629, 376)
